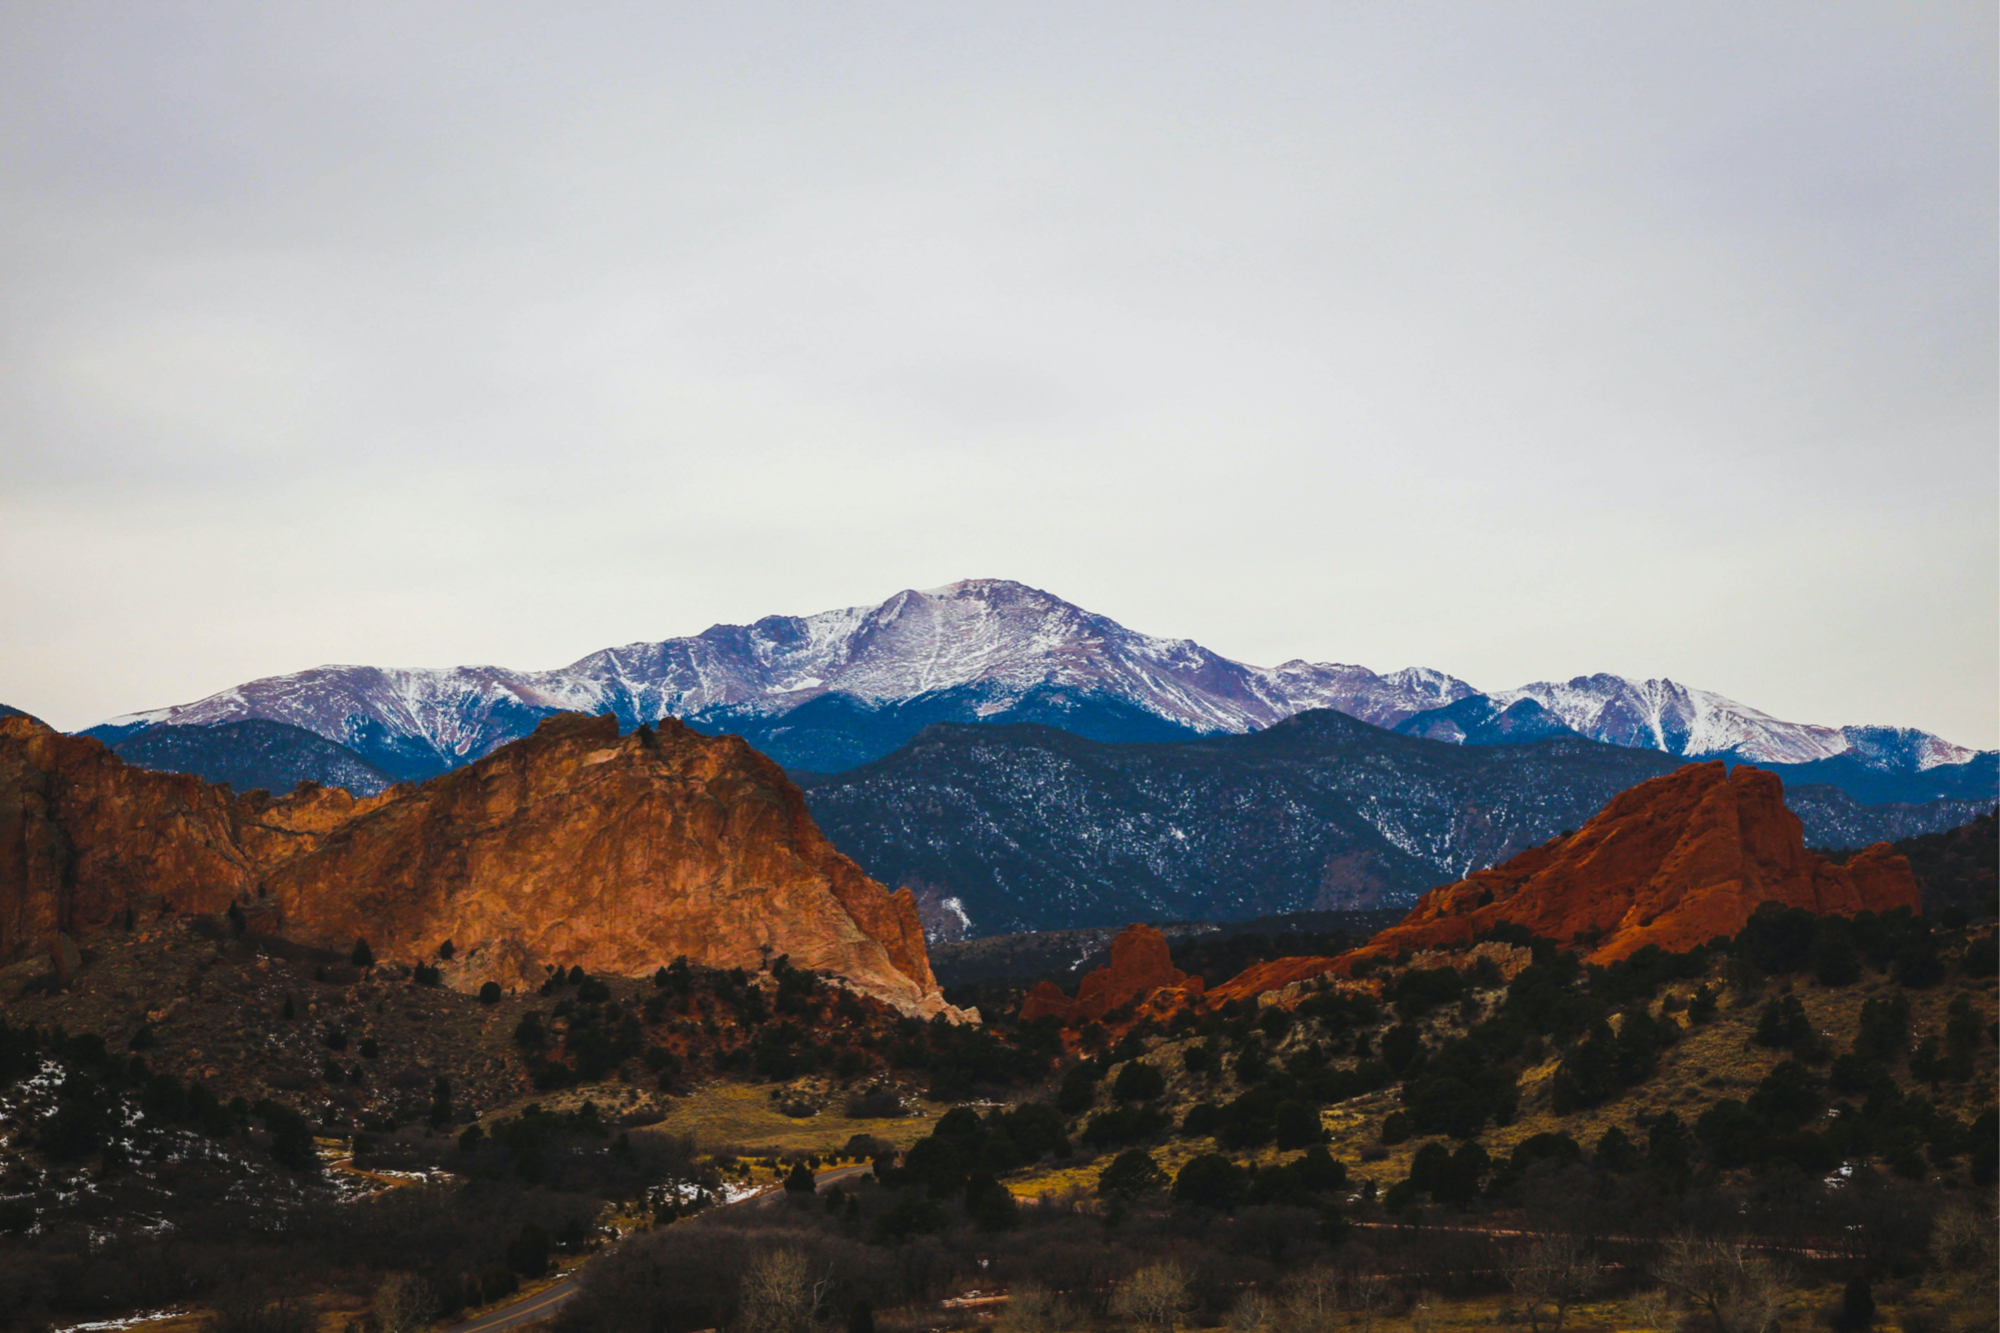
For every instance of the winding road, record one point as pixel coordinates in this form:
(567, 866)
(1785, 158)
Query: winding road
(544, 1304)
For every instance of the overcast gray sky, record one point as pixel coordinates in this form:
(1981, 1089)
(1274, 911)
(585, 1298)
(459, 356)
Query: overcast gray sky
(1519, 341)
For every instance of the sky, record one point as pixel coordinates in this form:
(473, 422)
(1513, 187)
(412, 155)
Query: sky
(1520, 341)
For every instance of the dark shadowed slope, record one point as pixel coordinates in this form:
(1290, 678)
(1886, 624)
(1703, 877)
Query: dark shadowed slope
(252, 754)
(1029, 828)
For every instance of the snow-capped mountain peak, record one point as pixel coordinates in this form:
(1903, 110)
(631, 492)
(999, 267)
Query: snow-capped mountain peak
(1903, 749)
(1666, 715)
(972, 649)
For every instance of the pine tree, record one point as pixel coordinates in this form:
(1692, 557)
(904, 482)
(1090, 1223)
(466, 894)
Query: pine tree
(1857, 1305)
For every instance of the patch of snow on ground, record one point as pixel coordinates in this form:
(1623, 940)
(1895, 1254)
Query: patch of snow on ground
(129, 1321)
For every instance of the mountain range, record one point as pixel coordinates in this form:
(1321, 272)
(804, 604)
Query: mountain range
(829, 692)
(1015, 827)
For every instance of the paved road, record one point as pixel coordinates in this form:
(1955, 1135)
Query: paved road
(544, 1304)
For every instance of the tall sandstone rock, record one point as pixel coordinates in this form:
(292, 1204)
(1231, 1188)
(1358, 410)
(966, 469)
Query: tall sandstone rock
(1141, 963)
(574, 846)
(1674, 862)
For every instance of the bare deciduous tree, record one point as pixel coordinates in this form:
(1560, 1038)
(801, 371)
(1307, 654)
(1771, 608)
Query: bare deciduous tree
(1153, 1297)
(1652, 1309)
(1550, 1276)
(1732, 1288)
(1312, 1301)
(404, 1303)
(251, 1308)
(1032, 1309)
(1367, 1291)
(1252, 1313)
(1962, 1241)
(780, 1294)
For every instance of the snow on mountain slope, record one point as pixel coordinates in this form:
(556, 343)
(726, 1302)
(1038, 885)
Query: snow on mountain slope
(1004, 638)
(981, 649)
(1358, 692)
(1903, 749)
(1665, 715)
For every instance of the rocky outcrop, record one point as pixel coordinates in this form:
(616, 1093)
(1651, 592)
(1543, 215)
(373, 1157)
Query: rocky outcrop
(83, 836)
(1273, 974)
(1673, 862)
(572, 847)
(1289, 980)
(1140, 964)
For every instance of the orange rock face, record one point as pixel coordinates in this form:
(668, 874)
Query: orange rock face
(1140, 964)
(574, 846)
(1276, 974)
(1673, 862)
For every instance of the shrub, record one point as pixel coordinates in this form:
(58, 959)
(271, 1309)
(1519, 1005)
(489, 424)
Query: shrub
(1297, 1125)
(1917, 965)
(879, 1103)
(1078, 1090)
(1401, 1044)
(291, 1136)
(990, 1205)
(528, 1252)
(1884, 1028)
(1783, 1024)
(1420, 990)
(1210, 1181)
(1857, 1306)
(1138, 1082)
(1616, 1152)
(1668, 1144)
(489, 993)
(1777, 939)
(1122, 1125)
(1981, 959)
(1131, 1172)
(1835, 960)
(1732, 1135)
(1449, 1177)
(1788, 1097)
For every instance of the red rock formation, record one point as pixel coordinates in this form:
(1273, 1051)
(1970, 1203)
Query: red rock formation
(1044, 1000)
(1674, 861)
(572, 847)
(1275, 974)
(1140, 964)
(83, 835)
